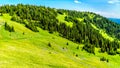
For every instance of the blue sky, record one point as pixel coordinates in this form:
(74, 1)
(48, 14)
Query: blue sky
(107, 8)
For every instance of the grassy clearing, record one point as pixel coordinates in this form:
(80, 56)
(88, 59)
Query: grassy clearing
(31, 50)
(80, 19)
(61, 19)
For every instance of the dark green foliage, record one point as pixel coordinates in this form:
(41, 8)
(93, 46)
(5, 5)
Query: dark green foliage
(49, 44)
(107, 60)
(23, 33)
(104, 59)
(112, 52)
(77, 48)
(17, 19)
(9, 28)
(32, 27)
(51, 32)
(12, 29)
(118, 52)
(89, 48)
(76, 55)
(60, 11)
(69, 18)
(67, 43)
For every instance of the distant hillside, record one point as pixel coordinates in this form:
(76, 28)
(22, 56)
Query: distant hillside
(115, 20)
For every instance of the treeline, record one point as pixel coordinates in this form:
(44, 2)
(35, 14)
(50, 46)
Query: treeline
(35, 15)
(80, 32)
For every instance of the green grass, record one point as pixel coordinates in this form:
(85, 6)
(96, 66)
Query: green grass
(31, 50)
(80, 19)
(61, 19)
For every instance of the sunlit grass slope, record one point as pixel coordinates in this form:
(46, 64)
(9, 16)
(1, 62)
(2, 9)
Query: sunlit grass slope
(61, 19)
(31, 50)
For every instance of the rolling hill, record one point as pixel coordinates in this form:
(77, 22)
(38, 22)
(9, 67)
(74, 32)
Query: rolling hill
(36, 46)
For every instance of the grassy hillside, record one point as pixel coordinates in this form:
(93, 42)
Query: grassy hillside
(72, 25)
(61, 19)
(32, 50)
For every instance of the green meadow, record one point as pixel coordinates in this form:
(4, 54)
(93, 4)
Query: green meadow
(27, 49)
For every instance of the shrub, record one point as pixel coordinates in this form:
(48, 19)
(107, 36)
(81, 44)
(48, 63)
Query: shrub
(77, 48)
(23, 33)
(67, 43)
(107, 60)
(118, 52)
(112, 53)
(49, 44)
(51, 32)
(32, 27)
(104, 59)
(9, 28)
(76, 55)
(50, 52)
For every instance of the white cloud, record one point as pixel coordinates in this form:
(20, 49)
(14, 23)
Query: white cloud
(76, 1)
(110, 2)
(114, 1)
(108, 14)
